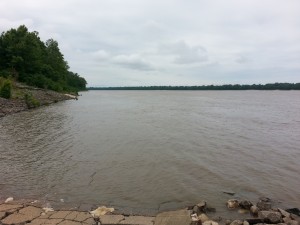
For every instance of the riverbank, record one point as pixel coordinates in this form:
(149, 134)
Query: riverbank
(26, 97)
(33, 212)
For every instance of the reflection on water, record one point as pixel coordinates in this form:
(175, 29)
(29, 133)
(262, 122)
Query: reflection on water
(155, 150)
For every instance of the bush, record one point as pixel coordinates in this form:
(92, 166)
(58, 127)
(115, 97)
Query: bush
(5, 89)
(31, 101)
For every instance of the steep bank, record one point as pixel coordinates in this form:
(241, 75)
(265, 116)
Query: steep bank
(26, 97)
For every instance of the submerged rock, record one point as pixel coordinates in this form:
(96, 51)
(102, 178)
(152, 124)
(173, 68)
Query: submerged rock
(232, 204)
(203, 217)
(263, 205)
(254, 210)
(295, 211)
(245, 204)
(270, 216)
(237, 222)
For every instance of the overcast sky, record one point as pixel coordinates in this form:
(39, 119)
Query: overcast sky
(168, 42)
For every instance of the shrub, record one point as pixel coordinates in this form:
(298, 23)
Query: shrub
(5, 89)
(31, 101)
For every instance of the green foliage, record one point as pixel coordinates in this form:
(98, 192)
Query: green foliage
(26, 58)
(31, 101)
(5, 89)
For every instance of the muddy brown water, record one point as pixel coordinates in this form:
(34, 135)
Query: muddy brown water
(150, 151)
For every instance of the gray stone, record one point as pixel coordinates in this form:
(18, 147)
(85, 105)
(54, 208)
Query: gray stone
(254, 220)
(228, 222)
(270, 216)
(237, 222)
(284, 213)
(179, 217)
(210, 222)
(262, 205)
(203, 217)
(246, 222)
(232, 203)
(254, 210)
(245, 204)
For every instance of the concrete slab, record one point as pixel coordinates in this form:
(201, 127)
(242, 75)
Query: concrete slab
(138, 220)
(111, 219)
(7, 207)
(60, 214)
(2, 215)
(82, 216)
(69, 222)
(16, 218)
(179, 217)
(31, 211)
(72, 215)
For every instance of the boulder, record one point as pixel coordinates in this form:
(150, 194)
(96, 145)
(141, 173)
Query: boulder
(270, 216)
(245, 204)
(295, 211)
(232, 204)
(254, 220)
(284, 213)
(200, 207)
(246, 222)
(254, 210)
(203, 217)
(237, 222)
(263, 205)
(210, 222)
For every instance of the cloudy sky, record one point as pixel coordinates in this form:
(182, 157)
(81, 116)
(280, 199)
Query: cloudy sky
(168, 42)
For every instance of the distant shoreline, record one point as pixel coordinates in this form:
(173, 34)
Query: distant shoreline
(230, 87)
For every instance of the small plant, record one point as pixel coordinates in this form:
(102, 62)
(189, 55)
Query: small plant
(31, 101)
(5, 89)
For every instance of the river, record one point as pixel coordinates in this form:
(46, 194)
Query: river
(149, 151)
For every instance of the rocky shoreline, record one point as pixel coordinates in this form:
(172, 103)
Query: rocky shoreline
(28, 212)
(26, 97)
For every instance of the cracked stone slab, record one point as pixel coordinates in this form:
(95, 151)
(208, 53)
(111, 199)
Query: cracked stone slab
(72, 215)
(179, 217)
(138, 220)
(60, 214)
(45, 221)
(2, 215)
(89, 221)
(8, 207)
(82, 216)
(31, 211)
(111, 219)
(46, 215)
(69, 222)
(16, 219)
(23, 216)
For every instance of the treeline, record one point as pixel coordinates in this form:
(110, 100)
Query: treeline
(274, 86)
(25, 58)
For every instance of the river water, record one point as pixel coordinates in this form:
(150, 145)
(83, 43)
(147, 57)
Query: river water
(149, 151)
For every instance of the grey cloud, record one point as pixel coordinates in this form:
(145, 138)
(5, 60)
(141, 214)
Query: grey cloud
(185, 54)
(133, 61)
(101, 38)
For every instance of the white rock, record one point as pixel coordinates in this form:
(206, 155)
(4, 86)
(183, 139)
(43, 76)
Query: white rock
(194, 217)
(9, 199)
(100, 211)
